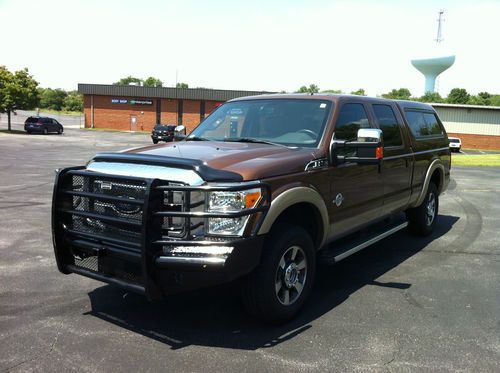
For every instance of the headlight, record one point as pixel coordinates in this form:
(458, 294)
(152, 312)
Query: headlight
(231, 202)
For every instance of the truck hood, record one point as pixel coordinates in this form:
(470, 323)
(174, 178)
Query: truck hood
(251, 161)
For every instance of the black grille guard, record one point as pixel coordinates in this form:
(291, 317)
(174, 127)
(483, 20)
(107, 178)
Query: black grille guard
(145, 252)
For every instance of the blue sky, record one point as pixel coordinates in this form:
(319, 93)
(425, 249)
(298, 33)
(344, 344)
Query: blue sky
(252, 45)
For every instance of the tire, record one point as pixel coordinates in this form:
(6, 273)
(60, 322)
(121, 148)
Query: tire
(155, 141)
(278, 287)
(45, 131)
(422, 219)
(60, 131)
(28, 132)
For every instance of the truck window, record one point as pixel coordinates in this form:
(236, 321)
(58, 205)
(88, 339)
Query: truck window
(388, 124)
(423, 124)
(351, 118)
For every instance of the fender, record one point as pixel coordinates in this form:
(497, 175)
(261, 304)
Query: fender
(291, 197)
(435, 165)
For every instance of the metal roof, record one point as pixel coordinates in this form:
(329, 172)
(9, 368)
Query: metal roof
(462, 106)
(164, 92)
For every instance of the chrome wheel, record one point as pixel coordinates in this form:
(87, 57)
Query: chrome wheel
(431, 208)
(291, 275)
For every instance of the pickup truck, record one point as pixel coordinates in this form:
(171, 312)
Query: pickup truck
(261, 191)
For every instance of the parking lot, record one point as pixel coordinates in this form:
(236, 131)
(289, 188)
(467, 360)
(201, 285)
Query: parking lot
(404, 304)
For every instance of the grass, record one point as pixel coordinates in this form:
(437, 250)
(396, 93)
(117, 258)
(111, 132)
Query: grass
(62, 112)
(13, 132)
(476, 160)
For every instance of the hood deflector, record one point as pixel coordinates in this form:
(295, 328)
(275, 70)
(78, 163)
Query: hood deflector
(207, 173)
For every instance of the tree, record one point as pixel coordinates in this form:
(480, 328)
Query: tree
(495, 100)
(398, 94)
(313, 88)
(52, 98)
(73, 102)
(153, 82)
(334, 91)
(182, 85)
(129, 79)
(431, 97)
(359, 92)
(458, 96)
(482, 98)
(18, 91)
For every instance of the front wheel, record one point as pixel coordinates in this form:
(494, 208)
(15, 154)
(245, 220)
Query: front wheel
(45, 131)
(60, 131)
(278, 287)
(422, 219)
(155, 141)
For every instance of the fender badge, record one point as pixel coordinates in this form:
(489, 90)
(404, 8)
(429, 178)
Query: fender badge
(339, 199)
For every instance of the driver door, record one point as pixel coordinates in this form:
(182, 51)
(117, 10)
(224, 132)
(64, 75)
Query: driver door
(356, 190)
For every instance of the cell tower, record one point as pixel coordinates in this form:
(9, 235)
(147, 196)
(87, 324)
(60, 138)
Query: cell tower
(432, 67)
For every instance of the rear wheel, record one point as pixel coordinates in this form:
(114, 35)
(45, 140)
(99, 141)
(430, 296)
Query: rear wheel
(45, 131)
(422, 219)
(278, 287)
(155, 141)
(60, 130)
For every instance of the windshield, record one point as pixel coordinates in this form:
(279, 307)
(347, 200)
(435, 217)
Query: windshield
(290, 122)
(164, 127)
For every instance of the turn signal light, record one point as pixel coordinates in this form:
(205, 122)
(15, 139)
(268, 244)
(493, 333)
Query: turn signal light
(251, 199)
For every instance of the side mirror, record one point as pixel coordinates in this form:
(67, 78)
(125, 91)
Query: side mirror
(179, 133)
(368, 148)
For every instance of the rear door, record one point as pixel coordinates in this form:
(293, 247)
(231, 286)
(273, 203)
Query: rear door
(356, 190)
(397, 165)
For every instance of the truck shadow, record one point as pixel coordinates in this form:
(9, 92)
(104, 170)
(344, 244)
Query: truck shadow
(215, 317)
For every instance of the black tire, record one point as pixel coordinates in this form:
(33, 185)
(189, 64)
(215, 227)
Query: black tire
(422, 219)
(45, 131)
(155, 141)
(60, 131)
(287, 266)
(28, 132)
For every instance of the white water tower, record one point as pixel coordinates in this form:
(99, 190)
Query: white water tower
(434, 65)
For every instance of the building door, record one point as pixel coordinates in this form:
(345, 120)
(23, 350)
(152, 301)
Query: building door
(133, 123)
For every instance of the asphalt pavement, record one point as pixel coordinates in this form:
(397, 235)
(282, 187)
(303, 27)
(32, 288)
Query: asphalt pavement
(403, 304)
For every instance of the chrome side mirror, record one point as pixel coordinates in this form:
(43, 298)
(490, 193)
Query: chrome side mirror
(179, 132)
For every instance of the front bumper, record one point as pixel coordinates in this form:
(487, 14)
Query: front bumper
(162, 137)
(148, 262)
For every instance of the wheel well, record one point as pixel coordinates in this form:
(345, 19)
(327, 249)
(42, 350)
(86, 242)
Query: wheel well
(306, 216)
(436, 179)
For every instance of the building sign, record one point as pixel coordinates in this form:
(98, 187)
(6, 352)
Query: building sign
(131, 102)
(141, 102)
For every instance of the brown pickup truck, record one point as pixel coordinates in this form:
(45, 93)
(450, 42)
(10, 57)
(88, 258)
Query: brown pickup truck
(261, 190)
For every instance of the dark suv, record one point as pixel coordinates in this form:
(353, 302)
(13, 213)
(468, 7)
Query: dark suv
(42, 125)
(163, 132)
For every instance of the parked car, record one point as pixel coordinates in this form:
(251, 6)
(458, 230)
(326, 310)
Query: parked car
(163, 132)
(455, 144)
(42, 125)
(261, 190)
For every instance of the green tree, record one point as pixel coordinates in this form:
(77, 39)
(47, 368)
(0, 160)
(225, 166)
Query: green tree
(334, 91)
(153, 82)
(398, 94)
(18, 91)
(129, 79)
(73, 102)
(359, 92)
(482, 98)
(182, 85)
(495, 100)
(313, 88)
(431, 97)
(458, 96)
(52, 98)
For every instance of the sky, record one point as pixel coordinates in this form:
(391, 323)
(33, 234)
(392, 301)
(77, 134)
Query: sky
(252, 45)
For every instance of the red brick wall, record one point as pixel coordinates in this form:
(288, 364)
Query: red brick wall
(484, 142)
(210, 106)
(117, 116)
(190, 114)
(168, 111)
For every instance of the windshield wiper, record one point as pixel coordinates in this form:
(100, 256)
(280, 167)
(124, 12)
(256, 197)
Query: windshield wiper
(252, 140)
(196, 138)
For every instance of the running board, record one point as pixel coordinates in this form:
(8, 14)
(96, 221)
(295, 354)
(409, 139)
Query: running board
(345, 248)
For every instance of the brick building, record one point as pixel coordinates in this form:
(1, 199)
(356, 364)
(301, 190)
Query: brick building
(136, 108)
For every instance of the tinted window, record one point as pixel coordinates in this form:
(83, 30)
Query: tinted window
(46, 120)
(31, 120)
(423, 124)
(388, 124)
(351, 118)
(163, 127)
